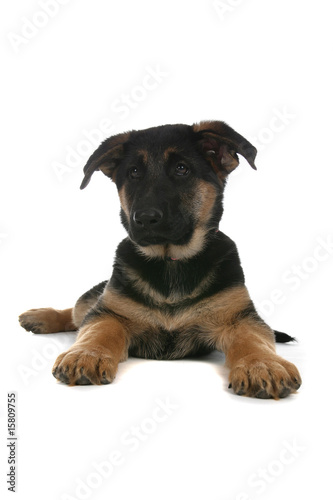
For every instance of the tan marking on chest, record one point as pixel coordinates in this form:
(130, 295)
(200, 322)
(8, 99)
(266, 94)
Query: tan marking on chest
(209, 314)
(145, 289)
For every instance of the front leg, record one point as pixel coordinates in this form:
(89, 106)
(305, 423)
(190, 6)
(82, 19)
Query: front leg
(255, 368)
(249, 346)
(94, 357)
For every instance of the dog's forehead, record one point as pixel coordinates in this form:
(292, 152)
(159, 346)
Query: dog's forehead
(160, 141)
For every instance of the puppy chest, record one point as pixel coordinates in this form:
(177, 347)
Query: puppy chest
(159, 343)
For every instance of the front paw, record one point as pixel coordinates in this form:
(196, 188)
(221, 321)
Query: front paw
(39, 320)
(84, 366)
(264, 378)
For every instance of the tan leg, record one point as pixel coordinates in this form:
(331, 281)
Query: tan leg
(255, 368)
(249, 346)
(47, 320)
(94, 358)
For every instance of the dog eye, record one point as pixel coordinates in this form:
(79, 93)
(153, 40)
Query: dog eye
(134, 173)
(181, 169)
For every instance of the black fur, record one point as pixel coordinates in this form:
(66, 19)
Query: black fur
(165, 276)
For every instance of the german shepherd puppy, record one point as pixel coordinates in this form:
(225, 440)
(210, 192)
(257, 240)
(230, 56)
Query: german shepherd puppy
(177, 287)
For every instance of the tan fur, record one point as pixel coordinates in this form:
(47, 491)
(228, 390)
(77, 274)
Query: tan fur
(144, 153)
(123, 201)
(80, 310)
(194, 246)
(48, 320)
(95, 356)
(208, 312)
(168, 151)
(176, 252)
(205, 201)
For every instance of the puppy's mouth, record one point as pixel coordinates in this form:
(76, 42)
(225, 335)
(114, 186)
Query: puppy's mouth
(152, 238)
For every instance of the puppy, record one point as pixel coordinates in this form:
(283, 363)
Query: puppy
(177, 287)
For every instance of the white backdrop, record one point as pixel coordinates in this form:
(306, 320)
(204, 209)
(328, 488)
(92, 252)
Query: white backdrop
(74, 72)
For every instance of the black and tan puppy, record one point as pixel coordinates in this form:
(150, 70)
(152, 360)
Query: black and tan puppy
(177, 288)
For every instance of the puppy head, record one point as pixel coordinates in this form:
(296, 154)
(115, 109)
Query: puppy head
(170, 181)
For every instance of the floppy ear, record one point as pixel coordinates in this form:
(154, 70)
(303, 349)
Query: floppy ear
(220, 144)
(105, 158)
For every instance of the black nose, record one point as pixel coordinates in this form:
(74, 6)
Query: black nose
(148, 218)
